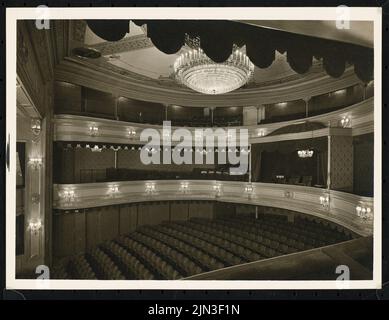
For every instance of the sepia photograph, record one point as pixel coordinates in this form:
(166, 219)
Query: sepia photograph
(194, 149)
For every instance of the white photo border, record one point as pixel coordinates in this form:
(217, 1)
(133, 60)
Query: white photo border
(373, 14)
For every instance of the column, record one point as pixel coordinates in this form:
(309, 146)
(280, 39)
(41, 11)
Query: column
(250, 116)
(340, 163)
(116, 115)
(261, 112)
(212, 111)
(249, 156)
(306, 100)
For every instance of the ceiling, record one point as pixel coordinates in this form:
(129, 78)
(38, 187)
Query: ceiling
(136, 53)
(360, 32)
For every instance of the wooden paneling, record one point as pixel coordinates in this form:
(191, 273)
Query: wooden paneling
(93, 237)
(79, 231)
(99, 103)
(153, 213)
(140, 111)
(109, 223)
(179, 211)
(67, 97)
(64, 241)
(201, 210)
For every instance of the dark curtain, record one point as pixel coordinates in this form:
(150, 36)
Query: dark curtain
(318, 144)
(323, 164)
(280, 158)
(256, 160)
(364, 164)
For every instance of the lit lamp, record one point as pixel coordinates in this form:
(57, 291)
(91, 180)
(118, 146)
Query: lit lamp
(113, 190)
(36, 126)
(306, 153)
(325, 201)
(131, 133)
(260, 133)
(93, 130)
(150, 188)
(35, 198)
(35, 226)
(249, 189)
(68, 195)
(345, 122)
(364, 213)
(218, 190)
(197, 71)
(35, 163)
(184, 187)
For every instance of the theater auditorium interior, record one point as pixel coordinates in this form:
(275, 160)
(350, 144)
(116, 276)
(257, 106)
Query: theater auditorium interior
(89, 208)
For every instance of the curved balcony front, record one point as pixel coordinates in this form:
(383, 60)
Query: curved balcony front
(351, 211)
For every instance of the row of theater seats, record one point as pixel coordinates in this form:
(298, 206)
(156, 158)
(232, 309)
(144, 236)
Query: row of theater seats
(179, 249)
(132, 267)
(104, 266)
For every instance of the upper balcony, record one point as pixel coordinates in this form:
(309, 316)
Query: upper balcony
(78, 100)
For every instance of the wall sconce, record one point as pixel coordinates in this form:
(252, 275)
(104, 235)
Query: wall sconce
(36, 127)
(345, 122)
(35, 198)
(306, 153)
(131, 133)
(363, 212)
(150, 188)
(113, 189)
(260, 133)
(325, 201)
(68, 195)
(288, 195)
(35, 226)
(35, 163)
(184, 187)
(93, 130)
(249, 189)
(218, 190)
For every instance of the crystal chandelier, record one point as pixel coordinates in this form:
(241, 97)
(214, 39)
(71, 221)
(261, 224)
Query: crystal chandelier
(305, 153)
(195, 70)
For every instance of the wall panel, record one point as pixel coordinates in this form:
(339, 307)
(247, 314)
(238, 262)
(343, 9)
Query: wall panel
(179, 211)
(201, 210)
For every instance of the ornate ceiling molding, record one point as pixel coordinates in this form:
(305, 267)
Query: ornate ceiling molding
(126, 44)
(79, 27)
(297, 198)
(98, 77)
